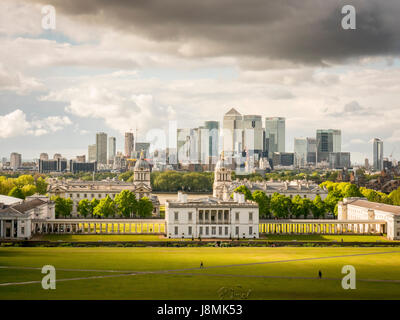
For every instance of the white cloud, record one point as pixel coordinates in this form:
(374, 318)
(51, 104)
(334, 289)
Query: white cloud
(15, 81)
(15, 124)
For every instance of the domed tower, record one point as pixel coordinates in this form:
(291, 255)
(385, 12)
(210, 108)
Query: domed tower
(141, 172)
(222, 178)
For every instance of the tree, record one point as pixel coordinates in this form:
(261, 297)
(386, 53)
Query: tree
(29, 190)
(94, 203)
(144, 207)
(24, 180)
(298, 208)
(105, 208)
(351, 190)
(126, 203)
(63, 206)
(263, 203)
(16, 192)
(318, 208)
(394, 196)
(243, 189)
(280, 205)
(85, 208)
(41, 185)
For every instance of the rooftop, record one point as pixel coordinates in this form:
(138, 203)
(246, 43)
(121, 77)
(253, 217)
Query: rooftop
(376, 206)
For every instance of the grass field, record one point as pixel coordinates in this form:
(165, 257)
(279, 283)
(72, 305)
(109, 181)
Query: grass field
(174, 273)
(278, 237)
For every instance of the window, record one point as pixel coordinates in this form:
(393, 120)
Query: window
(206, 215)
(176, 216)
(237, 216)
(85, 195)
(220, 231)
(237, 231)
(207, 231)
(201, 231)
(250, 231)
(190, 216)
(214, 231)
(250, 216)
(201, 215)
(176, 230)
(70, 195)
(78, 195)
(190, 231)
(92, 195)
(226, 231)
(22, 230)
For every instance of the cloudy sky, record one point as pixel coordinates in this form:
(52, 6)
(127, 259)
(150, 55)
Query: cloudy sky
(118, 65)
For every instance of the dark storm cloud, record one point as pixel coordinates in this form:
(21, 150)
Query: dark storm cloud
(294, 31)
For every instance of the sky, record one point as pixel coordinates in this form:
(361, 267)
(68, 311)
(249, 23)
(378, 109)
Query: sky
(113, 66)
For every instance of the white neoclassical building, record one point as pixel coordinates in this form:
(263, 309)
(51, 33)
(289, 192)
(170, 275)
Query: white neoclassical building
(211, 217)
(353, 209)
(78, 190)
(218, 216)
(16, 219)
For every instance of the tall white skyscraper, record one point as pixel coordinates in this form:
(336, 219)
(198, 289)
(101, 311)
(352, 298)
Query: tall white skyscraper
(378, 154)
(275, 130)
(15, 160)
(112, 148)
(101, 148)
(232, 132)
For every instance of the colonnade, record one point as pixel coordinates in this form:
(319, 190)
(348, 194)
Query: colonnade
(101, 226)
(321, 226)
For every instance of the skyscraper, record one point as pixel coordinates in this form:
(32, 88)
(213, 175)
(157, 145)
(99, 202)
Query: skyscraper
(253, 134)
(300, 152)
(112, 148)
(44, 156)
(15, 160)
(101, 148)
(129, 144)
(92, 153)
(378, 154)
(328, 140)
(213, 140)
(232, 132)
(275, 131)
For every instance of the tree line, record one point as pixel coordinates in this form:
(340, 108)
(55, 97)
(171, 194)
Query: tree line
(22, 186)
(124, 205)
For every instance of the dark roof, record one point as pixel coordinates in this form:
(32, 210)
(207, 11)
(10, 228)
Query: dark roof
(28, 205)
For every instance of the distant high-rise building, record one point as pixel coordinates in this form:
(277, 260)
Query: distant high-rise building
(101, 148)
(339, 160)
(378, 154)
(300, 152)
(129, 144)
(366, 163)
(44, 156)
(112, 148)
(213, 140)
(311, 150)
(253, 134)
(329, 140)
(232, 133)
(15, 160)
(275, 132)
(92, 153)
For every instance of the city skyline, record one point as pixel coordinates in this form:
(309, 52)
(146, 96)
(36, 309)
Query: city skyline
(60, 87)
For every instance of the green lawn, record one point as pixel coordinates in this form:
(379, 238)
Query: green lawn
(173, 273)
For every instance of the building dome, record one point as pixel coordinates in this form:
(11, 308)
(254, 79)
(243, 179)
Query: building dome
(142, 164)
